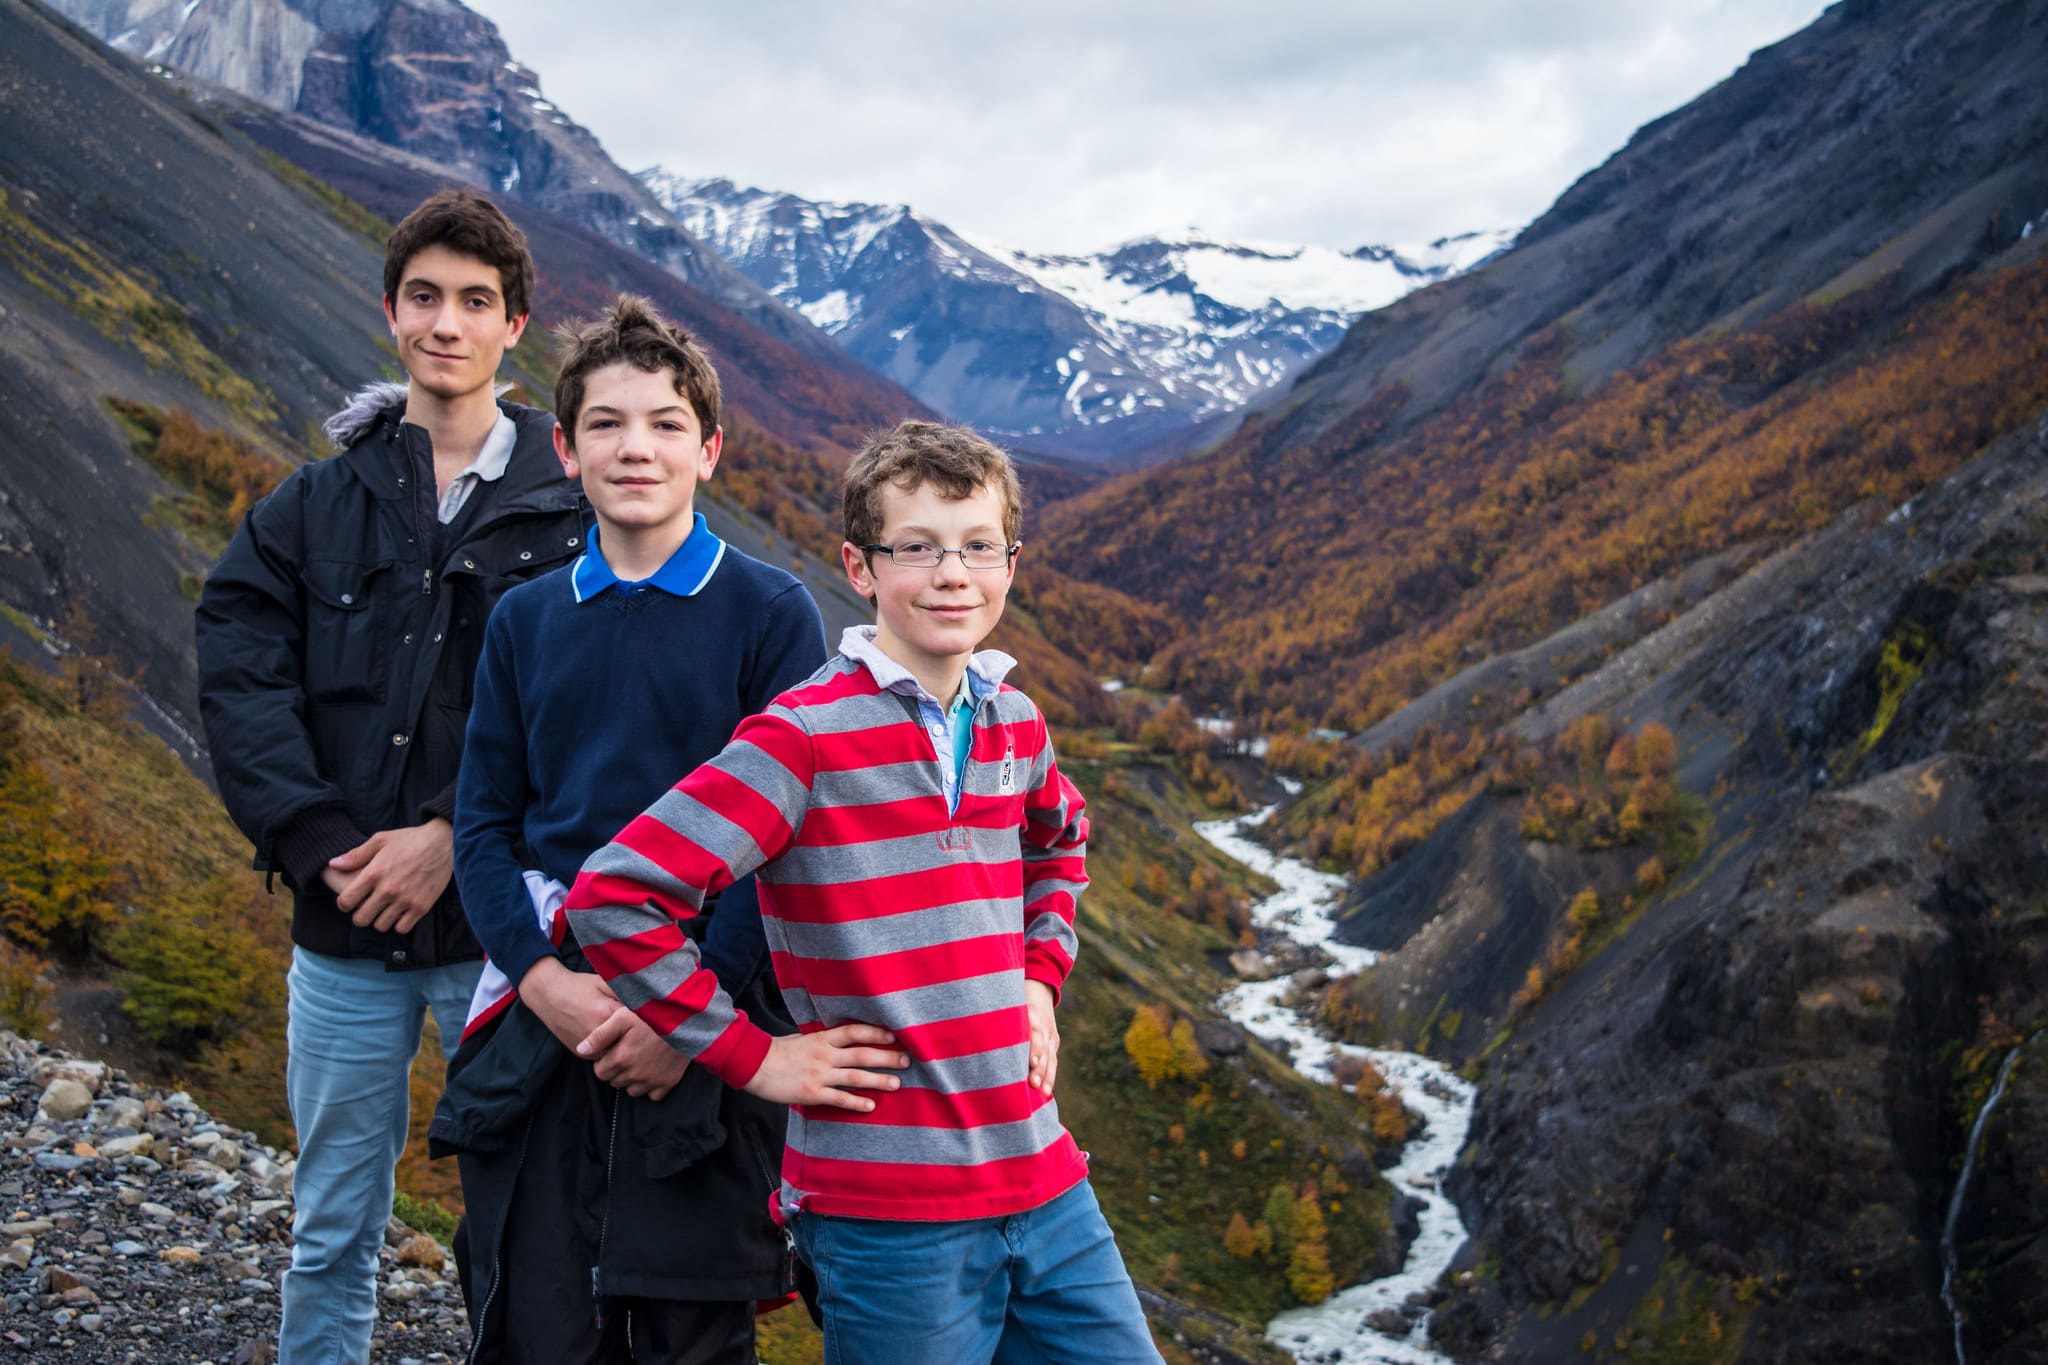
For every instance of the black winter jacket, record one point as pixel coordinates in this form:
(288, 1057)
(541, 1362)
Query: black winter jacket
(650, 1200)
(337, 652)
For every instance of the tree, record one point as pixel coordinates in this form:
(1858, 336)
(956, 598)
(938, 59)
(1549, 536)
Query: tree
(1188, 1061)
(56, 886)
(187, 966)
(1588, 739)
(1621, 759)
(1308, 1264)
(25, 990)
(1240, 1239)
(1656, 751)
(1279, 1217)
(1389, 1118)
(1149, 1045)
(1158, 881)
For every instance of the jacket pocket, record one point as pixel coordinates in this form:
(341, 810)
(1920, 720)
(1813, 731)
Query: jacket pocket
(347, 656)
(682, 1128)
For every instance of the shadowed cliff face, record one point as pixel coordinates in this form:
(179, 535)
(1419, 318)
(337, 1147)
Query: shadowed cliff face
(144, 256)
(1765, 1086)
(2000, 1236)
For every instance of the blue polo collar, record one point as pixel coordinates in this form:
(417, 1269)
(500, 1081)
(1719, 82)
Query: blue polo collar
(684, 574)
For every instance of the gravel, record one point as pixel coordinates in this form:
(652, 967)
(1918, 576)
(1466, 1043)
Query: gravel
(135, 1229)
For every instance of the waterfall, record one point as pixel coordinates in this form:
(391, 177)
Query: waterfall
(1955, 1203)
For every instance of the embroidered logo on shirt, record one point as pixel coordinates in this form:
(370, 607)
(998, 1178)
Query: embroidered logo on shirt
(956, 839)
(1006, 784)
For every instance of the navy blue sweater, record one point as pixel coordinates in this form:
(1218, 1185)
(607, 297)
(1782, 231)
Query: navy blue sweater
(586, 712)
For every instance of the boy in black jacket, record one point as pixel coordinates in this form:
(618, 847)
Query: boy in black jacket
(336, 639)
(617, 1206)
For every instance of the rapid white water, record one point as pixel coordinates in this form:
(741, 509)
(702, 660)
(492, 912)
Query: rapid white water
(1337, 1330)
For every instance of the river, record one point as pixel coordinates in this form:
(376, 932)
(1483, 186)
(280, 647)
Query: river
(1337, 1329)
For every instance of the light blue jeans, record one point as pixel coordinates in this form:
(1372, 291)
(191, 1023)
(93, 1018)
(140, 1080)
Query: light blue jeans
(353, 1030)
(1045, 1285)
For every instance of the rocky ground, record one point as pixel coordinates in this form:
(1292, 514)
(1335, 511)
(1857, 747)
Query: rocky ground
(134, 1228)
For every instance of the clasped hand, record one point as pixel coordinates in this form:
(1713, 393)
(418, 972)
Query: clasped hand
(577, 1006)
(829, 1067)
(390, 880)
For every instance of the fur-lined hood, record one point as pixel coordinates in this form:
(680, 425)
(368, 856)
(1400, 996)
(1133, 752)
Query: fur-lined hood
(368, 406)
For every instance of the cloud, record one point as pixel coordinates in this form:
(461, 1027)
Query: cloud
(1070, 126)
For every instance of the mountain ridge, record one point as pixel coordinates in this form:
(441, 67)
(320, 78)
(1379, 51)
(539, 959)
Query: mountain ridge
(1099, 354)
(434, 78)
(1450, 381)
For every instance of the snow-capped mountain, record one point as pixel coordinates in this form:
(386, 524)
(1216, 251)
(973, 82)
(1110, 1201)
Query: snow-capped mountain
(1086, 355)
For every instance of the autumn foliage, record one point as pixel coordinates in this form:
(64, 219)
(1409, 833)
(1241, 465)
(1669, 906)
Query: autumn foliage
(1163, 1048)
(115, 861)
(220, 475)
(1601, 788)
(1342, 577)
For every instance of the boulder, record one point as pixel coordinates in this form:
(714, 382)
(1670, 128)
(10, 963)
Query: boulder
(64, 1099)
(1250, 964)
(421, 1250)
(1219, 1038)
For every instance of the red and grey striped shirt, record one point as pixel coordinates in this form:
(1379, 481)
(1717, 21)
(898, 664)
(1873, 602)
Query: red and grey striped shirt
(880, 906)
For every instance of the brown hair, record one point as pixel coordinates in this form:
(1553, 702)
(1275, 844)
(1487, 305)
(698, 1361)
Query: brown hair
(951, 459)
(633, 332)
(465, 222)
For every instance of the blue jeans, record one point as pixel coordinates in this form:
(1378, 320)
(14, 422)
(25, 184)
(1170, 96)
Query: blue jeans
(353, 1031)
(1043, 1285)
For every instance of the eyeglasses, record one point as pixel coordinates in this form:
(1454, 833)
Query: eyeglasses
(919, 554)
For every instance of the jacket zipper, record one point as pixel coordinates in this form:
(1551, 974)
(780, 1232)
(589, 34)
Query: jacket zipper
(483, 1315)
(604, 1222)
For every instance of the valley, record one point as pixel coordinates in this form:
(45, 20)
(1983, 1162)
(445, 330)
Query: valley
(1566, 740)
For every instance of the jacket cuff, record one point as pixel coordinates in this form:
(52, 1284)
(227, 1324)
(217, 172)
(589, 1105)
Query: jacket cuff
(736, 1056)
(309, 839)
(440, 806)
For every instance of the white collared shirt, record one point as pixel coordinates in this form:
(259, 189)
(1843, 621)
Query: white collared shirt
(985, 670)
(488, 467)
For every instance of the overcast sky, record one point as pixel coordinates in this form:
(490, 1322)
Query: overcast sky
(1066, 126)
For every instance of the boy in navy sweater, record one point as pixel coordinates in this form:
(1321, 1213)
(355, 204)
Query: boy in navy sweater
(617, 1207)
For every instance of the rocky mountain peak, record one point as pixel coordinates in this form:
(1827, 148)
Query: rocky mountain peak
(1091, 354)
(436, 79)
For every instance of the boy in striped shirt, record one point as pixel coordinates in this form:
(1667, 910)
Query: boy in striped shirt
(919, 855)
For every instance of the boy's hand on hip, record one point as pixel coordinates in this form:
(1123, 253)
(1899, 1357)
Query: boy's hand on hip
(829, 1067)
(572, 1004)
(391, 879)
(1045, 1036)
